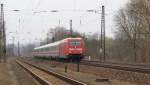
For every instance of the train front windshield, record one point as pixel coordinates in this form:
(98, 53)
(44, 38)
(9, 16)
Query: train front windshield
(75, 43)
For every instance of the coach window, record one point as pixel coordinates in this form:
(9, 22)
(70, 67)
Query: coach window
(54, 47)
(57, 47)
(49, 48)
(45, 49)
(41, 50)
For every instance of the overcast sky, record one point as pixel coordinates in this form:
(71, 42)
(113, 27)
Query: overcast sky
(35, 25)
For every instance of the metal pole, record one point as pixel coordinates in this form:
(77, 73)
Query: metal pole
(71, 28)
(59, 22)
(3, 36)
(78, 65)
(13, 40)
(102, 37)
(103, 19)
(18, 40)
(47, 38)
(55, 35)
(101, 43)
(18, 49)
(66, 68)
(80, 20)
(134, 46)
(1, 25)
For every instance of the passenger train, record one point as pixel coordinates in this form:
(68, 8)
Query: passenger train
(68, 48)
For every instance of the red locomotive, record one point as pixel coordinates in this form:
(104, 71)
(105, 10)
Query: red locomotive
(69, 48)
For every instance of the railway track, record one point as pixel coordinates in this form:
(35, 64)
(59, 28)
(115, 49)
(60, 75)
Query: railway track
(119, 66)
(46, 77)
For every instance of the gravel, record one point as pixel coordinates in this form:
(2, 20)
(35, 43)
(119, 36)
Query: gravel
(117, 77)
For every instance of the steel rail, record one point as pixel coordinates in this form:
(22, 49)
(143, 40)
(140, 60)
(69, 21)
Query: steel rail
(120, 66)
(126, 67)
(43, 82)
(62, 77)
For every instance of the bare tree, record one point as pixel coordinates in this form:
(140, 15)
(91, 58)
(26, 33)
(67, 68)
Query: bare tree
(133, 26)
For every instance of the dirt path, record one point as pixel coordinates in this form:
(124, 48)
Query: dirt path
(6, 75)
(12, 74)
(22, 76)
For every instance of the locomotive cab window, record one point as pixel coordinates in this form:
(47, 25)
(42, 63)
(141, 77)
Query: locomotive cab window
(75, 42)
